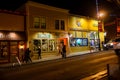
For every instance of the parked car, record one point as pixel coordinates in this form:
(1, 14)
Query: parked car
(108, 45)
(116, 46)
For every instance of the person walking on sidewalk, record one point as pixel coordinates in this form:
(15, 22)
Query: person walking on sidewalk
(27, 56)
(39, 53)
(63, 50)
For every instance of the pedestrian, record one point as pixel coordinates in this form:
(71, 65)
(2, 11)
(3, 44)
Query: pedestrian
(64, 51)
(27, 56)
(39, 53)
(60, 49)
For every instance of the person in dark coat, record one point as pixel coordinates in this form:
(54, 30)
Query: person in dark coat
(64, 51)
(27, 56)
(39, 53)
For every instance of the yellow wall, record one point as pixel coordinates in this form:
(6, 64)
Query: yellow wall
(79, 49)
(74, 21)
(82, 30)
(85, 23)
(93, 25)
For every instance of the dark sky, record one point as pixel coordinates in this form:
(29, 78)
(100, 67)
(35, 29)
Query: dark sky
(81, 7)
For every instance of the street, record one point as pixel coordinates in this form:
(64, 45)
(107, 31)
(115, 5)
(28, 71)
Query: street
(71, 68)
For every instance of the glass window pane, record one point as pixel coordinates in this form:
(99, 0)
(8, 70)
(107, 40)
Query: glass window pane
(36, 23)
(51, 45)
(43, 23)
(57, 24)
(62, 25)
(79, 34)
(85, 35)
(36, 19)
(36, 43)
(44, 45)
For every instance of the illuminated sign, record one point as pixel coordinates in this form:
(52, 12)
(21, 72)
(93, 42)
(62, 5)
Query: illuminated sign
(11, 36)
(43, 35)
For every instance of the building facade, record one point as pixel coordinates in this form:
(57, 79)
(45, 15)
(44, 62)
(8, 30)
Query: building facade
(12, 36)
(84, 33)
(47, 27)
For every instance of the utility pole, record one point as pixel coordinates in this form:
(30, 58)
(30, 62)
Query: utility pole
(98, 17)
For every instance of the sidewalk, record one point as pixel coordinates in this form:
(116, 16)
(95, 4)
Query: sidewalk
(50, 57)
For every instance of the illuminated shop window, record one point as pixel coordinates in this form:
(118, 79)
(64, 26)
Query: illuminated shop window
(37, 44)
(47, 45)
(44, 45)
(51, 45)
(79, 34)
(76, 42)
(4, 50)
(85, 34)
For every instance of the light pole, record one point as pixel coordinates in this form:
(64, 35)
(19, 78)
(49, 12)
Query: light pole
(98, 24)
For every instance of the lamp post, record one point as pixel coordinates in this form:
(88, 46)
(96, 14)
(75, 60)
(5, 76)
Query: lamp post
(98, 16)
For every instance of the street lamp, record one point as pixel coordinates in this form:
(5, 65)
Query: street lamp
(99, 23)
(100, 26)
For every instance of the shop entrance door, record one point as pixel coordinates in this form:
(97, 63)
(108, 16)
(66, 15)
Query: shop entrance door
(13, 51)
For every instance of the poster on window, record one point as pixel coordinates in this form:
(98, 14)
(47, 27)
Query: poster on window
(78, 42)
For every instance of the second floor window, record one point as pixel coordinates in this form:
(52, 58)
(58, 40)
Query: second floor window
(59, 25)
(36, 22)
(62, 25)
(40, 22)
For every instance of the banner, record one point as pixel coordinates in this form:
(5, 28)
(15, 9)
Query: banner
(100, 29)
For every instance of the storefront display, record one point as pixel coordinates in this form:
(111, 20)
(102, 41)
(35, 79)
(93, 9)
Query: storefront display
(47, 45)
(78, 42)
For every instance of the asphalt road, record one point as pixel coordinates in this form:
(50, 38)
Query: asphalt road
(71, 68)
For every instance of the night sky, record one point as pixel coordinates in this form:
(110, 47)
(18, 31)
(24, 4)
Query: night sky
(80, 7)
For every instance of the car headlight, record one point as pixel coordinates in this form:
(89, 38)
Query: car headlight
(104, 45)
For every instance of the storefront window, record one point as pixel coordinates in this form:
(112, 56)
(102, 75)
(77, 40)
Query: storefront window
(36, 43)
(4, 51)
(78, 42)
(94, 41)
(51, 45)
(79, 34)
(45, 44)
(85, 35)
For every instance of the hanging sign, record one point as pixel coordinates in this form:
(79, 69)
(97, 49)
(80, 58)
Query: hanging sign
(100, 27)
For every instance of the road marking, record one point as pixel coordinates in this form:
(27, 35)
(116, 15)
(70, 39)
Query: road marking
(102, 59)
(96, 76)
